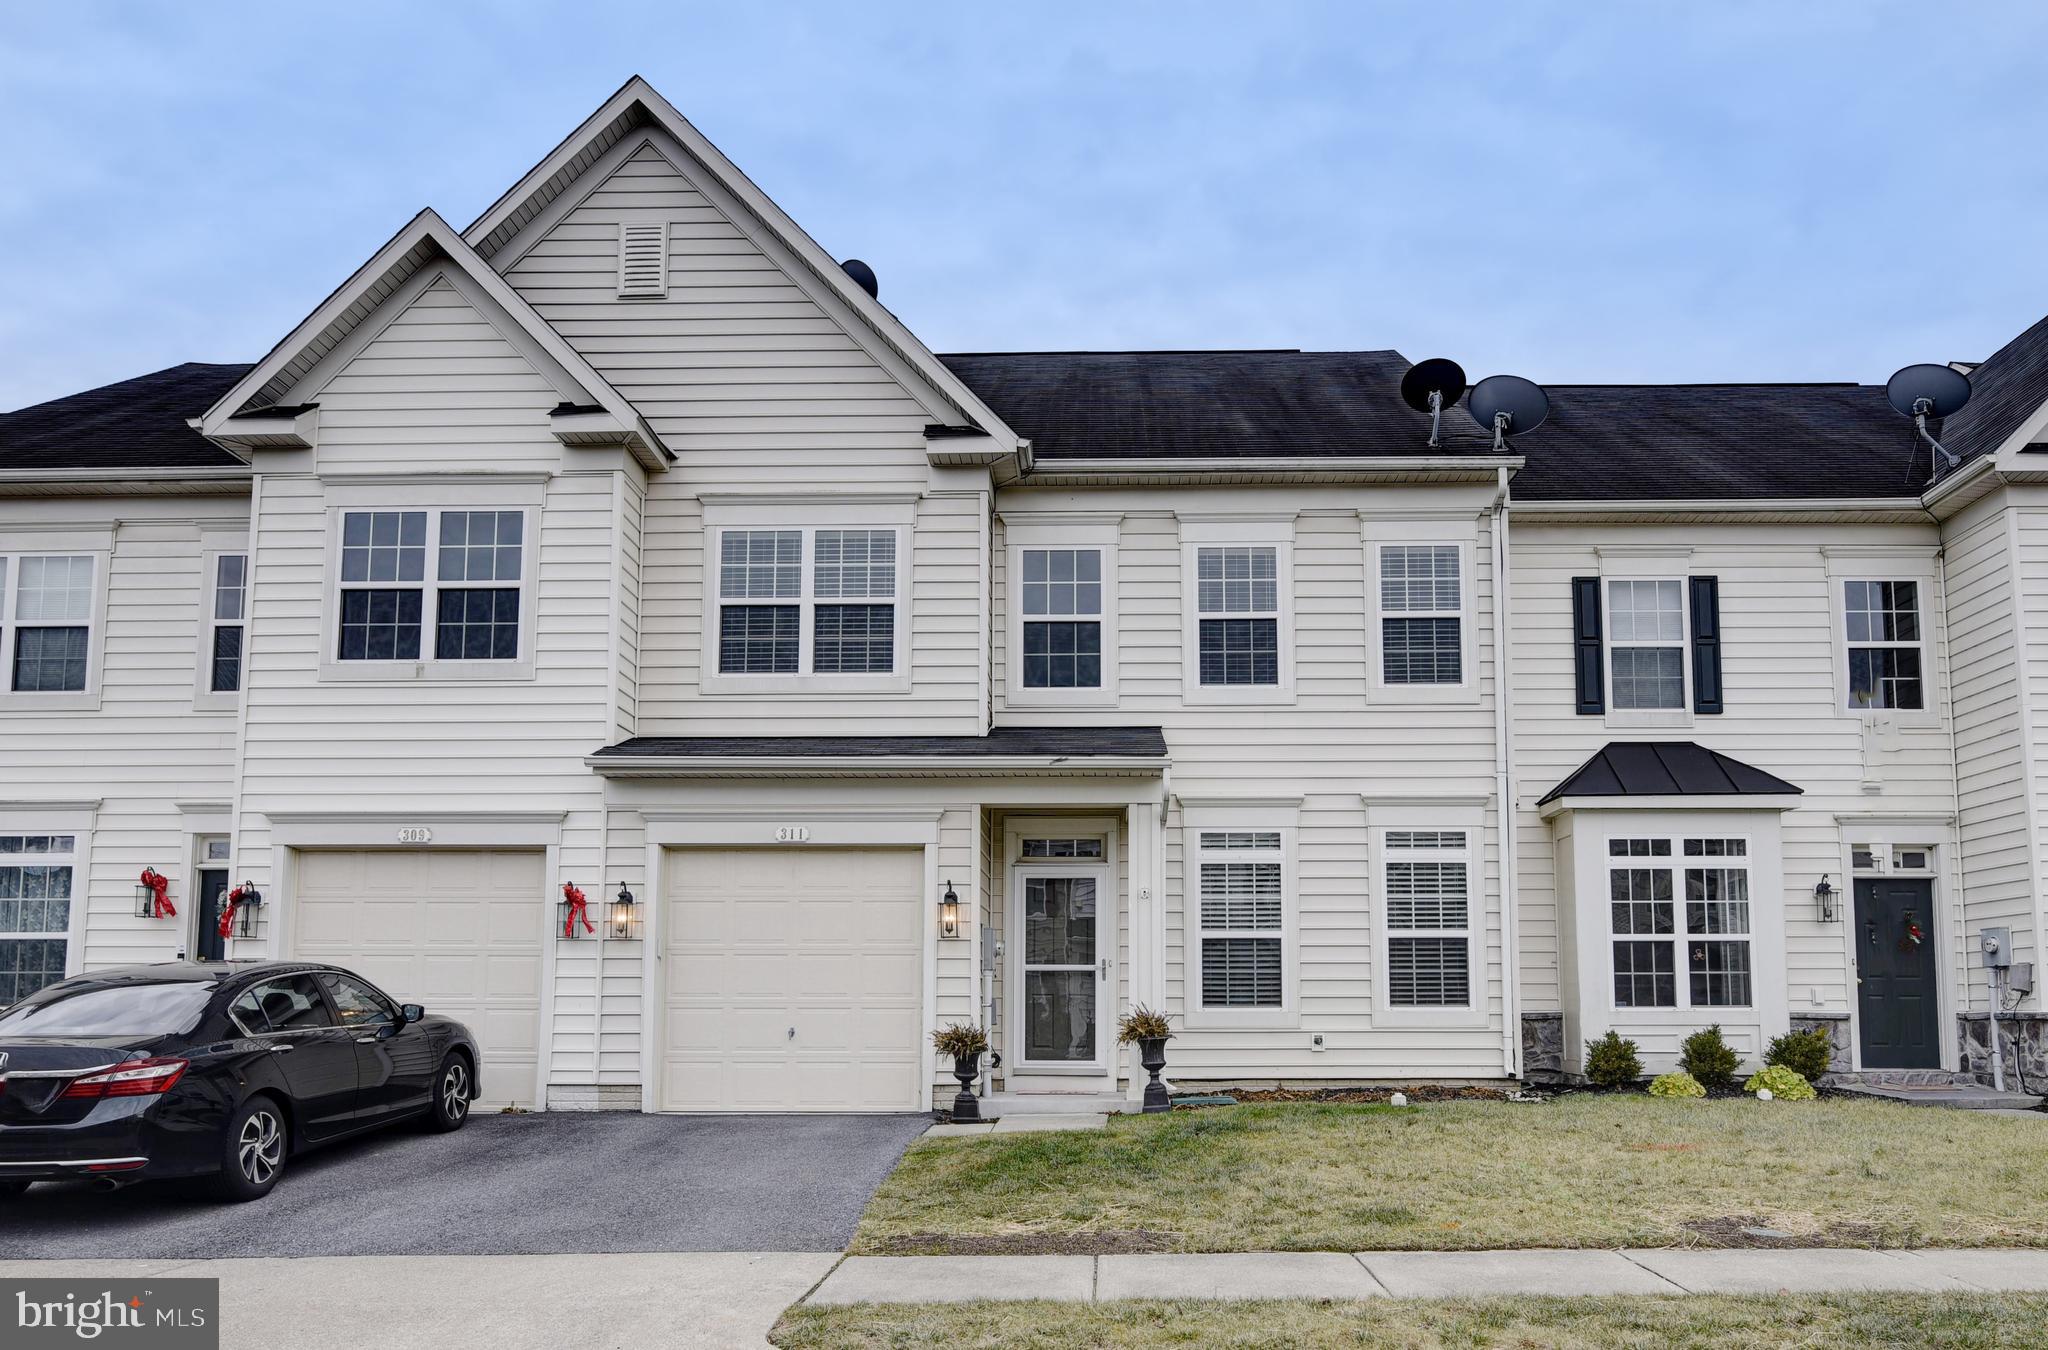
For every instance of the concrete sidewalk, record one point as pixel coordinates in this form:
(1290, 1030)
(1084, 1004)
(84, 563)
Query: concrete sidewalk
(618, 1301)
(1337, 1275)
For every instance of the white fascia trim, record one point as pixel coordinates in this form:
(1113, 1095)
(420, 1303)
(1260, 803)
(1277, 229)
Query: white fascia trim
(428, 228)
(267, 431)
(224, 474)
(879, 766)
(1901, 510)
(1774, 801)
(823, 267)
(1316, 466)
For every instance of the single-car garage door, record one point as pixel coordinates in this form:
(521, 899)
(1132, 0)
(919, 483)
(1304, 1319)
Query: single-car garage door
(793, 980)
(458, 930)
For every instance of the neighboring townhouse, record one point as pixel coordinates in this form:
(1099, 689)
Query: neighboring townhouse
(625, 541)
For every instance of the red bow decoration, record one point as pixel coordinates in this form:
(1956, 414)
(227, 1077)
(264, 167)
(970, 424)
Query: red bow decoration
(579, 908)
(161, 907)
(227, 916)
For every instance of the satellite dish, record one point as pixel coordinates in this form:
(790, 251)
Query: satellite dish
(1508, 405)
(1429, 386)
(864, 275)
(1943, 389)
(1924, 391)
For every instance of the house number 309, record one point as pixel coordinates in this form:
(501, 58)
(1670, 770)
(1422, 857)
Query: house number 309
(792, 834)
(415, 834)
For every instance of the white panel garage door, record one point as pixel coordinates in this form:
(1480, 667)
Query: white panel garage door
(826, 944)
(456, 930)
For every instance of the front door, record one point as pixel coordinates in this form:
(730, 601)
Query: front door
(1896, 995)
(213, 888)
(1063, 970)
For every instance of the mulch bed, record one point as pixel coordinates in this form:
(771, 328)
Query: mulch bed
(1426, 1092)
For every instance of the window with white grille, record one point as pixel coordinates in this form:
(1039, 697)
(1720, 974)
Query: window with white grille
(1422, 614)
(1646, 641)
(803, 601)
(46, 616)
(36, 878)
(1241, 919)
(643, 259)
(1427, 913)
(1679, 910)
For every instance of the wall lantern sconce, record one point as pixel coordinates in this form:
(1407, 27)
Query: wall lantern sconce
(624, 924)
(153, 896)
(949, 913)
(239, 918)
(574, 912)
(1824, 900)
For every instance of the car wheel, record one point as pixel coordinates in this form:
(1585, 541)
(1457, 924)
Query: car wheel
(10, 1189)
(452, 1085)
(253, 1152)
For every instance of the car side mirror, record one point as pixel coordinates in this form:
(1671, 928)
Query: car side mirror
(412, 1012)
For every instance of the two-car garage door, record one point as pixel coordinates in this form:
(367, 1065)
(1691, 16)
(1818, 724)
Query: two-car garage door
(458, 930)
(792, 979)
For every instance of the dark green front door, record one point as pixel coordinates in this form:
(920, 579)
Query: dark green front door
(1895, 989)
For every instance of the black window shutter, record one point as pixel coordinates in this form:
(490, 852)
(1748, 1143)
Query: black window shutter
(1592, 683)
(1706, 644)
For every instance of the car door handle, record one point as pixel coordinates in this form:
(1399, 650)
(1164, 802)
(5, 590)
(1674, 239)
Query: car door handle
(282, 1049)
(368, 1040)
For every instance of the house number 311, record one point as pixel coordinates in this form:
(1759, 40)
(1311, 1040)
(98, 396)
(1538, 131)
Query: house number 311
(792, 834)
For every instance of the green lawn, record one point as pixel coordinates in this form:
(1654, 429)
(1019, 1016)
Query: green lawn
(1956, 1321)
(1580, 1171)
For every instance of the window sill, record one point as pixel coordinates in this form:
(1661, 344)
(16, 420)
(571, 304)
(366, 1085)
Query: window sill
(1634, 718)
(1423, 1019)
(1060, 698)
(801, 686)
(22, 702)
(1224, 695)
(1436, 695)
(211, 702)
(425, 672)
(1240, 1019)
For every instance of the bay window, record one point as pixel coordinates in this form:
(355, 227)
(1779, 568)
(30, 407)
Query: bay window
(1679, 914)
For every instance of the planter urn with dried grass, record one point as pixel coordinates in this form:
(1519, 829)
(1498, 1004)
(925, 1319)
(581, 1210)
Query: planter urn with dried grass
(1148, 1031)
(965, 1043)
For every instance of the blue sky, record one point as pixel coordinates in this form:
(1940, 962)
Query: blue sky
(1577, 193)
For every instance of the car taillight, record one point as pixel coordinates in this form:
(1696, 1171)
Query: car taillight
(144, 1078)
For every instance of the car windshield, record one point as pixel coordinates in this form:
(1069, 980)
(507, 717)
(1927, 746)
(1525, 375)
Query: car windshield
(109, 1010)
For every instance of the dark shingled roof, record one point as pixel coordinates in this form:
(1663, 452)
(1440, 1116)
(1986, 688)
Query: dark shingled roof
(2005, 390)
(1222, 404)
(135, 424)
(1080, 742)
(1665, 769)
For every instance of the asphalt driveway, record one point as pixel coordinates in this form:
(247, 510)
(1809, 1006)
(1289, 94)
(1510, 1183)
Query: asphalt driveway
(507, 1184)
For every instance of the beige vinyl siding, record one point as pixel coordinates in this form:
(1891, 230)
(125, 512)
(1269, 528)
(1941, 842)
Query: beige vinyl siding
(761, 391)
(144, 749)
(1778, 655)
(1335, 746)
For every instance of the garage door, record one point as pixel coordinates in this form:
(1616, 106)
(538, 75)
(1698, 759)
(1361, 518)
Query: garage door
(793, 980)
(456, 930)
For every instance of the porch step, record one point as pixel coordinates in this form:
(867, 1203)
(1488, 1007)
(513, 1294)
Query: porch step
(1930, 1087)
(1054, 1103)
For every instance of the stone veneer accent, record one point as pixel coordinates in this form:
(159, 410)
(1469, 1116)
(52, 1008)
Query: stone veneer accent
(593, 1097)
(2024, 1038)
(1837, 1027)
(1542, 1045)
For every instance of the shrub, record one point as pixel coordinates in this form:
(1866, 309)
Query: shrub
(1676, 1085)
(1709, 1058)
(1785, 1084)
(1611, 1061)
(960, 1039)
(1142, 1024)
(1806, 1053)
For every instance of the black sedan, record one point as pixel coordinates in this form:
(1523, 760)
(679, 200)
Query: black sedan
(215, 1070)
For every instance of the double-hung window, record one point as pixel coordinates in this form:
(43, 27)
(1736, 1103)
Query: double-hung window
(227, 617)
(1679, 911)
(1881, 622)
(1061, 597)
(1241, 923)
(36, 878)
(1426, 876)
(807, 600)
(443, 587)
(1238, 616)
(1646, 644)
(46, 615)
(1421, 614)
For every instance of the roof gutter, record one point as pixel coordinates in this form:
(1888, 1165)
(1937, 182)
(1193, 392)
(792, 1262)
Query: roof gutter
(875, 766)
(103, 482)
(1348, 466)
(1909, 506)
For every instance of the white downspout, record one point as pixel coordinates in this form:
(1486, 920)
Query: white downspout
(1504, 793)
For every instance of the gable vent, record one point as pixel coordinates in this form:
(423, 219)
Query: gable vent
(643, 259)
